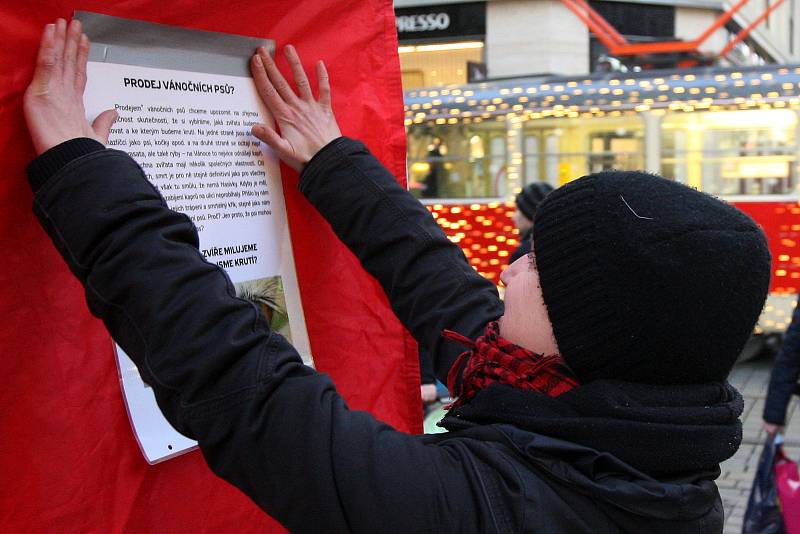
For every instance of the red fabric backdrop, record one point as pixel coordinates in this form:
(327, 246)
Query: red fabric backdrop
(68, 458)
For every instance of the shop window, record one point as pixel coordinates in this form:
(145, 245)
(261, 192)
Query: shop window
(413, 78)
(438, 65)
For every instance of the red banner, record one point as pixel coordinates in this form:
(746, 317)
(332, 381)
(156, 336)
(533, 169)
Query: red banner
(68, 457)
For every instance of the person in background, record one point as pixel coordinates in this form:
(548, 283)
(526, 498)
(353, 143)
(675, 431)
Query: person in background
(527, 201)
(783, 380)
(436, 173)
(593, 399)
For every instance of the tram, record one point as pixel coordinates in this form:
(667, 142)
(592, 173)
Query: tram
(731, 132)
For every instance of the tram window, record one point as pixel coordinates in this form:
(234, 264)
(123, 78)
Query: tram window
(560, 150)
(617, 149)
(457, 161)
(743, 152)
(532, 158)
(548, 157)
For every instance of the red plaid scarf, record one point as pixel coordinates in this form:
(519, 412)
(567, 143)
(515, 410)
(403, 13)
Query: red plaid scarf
(494, 359)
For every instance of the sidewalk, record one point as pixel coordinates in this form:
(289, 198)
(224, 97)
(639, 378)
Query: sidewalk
(751, 379)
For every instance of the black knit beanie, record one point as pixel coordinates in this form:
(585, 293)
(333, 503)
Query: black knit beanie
(531, 195)
(647, 280)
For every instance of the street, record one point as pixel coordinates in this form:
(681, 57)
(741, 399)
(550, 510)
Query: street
(751, 379)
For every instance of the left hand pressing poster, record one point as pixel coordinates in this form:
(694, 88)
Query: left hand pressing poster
(186, 103)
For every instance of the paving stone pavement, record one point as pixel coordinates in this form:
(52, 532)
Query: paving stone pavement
(751, 379)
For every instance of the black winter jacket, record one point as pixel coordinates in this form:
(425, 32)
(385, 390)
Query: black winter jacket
(785, 372)
(279, 431)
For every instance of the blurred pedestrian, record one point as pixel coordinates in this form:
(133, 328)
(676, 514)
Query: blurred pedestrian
(527, 201)
(783, 380)
(436, 173)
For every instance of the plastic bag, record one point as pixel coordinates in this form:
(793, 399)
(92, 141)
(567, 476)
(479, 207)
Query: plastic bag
(763, 514)
(787, 480)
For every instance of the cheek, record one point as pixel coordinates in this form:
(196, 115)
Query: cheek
(526, 322)
(535, 309)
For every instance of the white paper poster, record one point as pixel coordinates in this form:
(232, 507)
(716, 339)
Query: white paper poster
(190, 132)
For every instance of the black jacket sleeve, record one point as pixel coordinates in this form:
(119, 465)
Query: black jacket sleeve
(785, 372)
(265, 422)
(430, 284)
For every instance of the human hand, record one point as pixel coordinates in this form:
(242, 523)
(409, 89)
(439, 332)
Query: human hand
(53, 102)
(773, 429)
(428, 392)
(305, 124)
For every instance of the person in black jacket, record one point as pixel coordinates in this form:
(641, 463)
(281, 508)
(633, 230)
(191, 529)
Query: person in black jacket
(595, 400)
(527, 201)
(783, 379)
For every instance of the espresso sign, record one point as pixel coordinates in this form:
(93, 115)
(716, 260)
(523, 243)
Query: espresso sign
(438, 21)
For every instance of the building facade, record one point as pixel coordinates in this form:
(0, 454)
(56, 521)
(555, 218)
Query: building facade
(446, 42)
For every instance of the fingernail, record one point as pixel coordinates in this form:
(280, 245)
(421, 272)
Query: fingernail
(257, 59)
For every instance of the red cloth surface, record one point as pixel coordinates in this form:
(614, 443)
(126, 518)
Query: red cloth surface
(68, 458)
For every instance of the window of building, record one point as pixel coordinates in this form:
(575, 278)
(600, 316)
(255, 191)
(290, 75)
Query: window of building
(439, 64)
